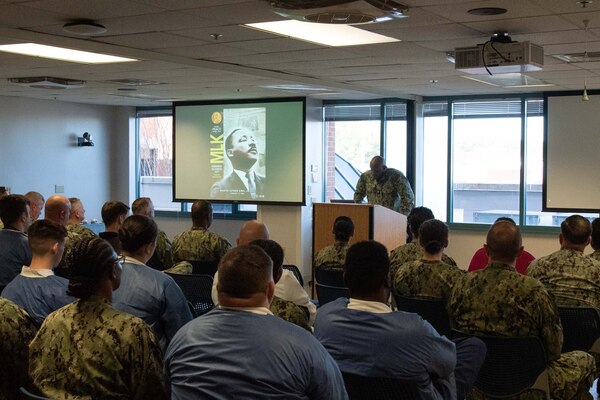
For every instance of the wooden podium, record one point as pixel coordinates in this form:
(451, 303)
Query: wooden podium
(371, 222)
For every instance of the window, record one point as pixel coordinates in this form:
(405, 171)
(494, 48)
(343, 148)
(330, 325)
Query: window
(155, 161)
(355, 133)
(496, 160)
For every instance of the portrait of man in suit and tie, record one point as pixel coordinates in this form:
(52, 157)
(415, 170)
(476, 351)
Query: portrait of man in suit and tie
(243, 182)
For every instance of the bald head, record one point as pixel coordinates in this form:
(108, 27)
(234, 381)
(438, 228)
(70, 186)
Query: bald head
(504, 242)
(58, 209)
(36, 204)
(377, 166)
(252, 230)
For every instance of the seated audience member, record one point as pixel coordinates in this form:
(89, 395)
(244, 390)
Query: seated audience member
(241, 351)
(16, 332)
(332, 257)
(200, 244)
(113, 215)
(36, 205)
(58, 209)
(499, 301)
(428, 277)
(284, 309)
(89, 349)
(144, 292)
(413, 251)
(595, 241)
(367, 338)
(76, 218)
(37, 290)
(288, 288)
(163, 256)
(570, 276)
(14, 249)
(480, 258)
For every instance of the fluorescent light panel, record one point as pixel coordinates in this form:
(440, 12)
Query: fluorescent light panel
(60, 53)
(326, 34)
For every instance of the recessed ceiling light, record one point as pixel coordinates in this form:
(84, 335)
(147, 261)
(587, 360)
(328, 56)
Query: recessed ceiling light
(326, 34)
(63, 54)
(84, 28)
(487, 11)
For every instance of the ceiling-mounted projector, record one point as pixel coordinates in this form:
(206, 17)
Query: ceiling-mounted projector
(349, 12)
(47, 82)
(499, 55)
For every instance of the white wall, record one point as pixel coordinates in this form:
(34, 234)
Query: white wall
(38, 150)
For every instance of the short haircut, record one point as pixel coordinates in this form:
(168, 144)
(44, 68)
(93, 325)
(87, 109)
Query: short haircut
(433, 236)
(34, 196)
(596, 234)
(504, 241)
(244, 271)
(92, 262)
(200, 210)
(576, 229)
(74, 201)
(12, 206)
(229, 139)
(137, 231)
(417, 216)
(42, 235)
(140, 205)
(366, 268)
(343, 228)
(112, 210)
(507, 219)
(273, 250)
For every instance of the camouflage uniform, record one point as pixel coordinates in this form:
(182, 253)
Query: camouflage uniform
(426, 279)
(571, 277)
(199, 245)
(75, 232)
(411, 252)
(394, 193)
(16, 331)
(290, 312)
(332, 257)
(163, 255)
(498, 300)
(90, 350)
(595, 255)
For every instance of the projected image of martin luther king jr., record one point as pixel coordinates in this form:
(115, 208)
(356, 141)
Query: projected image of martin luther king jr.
(243, 182)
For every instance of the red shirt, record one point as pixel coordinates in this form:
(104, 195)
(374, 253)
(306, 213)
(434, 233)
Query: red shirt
(480, 261)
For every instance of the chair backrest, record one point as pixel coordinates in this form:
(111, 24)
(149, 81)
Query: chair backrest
(204, 267)
(27, 395)
(581, 328)
(295, 271)
(368, 388)
(327, 293)
(512, 365)
(330, 277)
(432, 311)
(197, 290)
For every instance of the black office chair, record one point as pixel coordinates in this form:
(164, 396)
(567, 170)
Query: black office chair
(581, 328)
(204, 267)
(432, 311)
(295, 271)
(327, 293)
(27, 395)
(197, 291)
(330, 277)
(512, 366)
(368, 388)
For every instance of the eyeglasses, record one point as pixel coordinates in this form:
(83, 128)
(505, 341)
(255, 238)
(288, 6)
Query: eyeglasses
(120, 259)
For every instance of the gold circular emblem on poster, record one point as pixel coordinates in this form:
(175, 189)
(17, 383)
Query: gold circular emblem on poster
(216, 117)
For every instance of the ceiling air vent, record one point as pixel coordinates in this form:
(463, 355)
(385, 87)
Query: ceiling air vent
(348, 12)
(47, 82)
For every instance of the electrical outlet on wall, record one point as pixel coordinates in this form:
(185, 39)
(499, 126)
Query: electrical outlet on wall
(59, 188)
